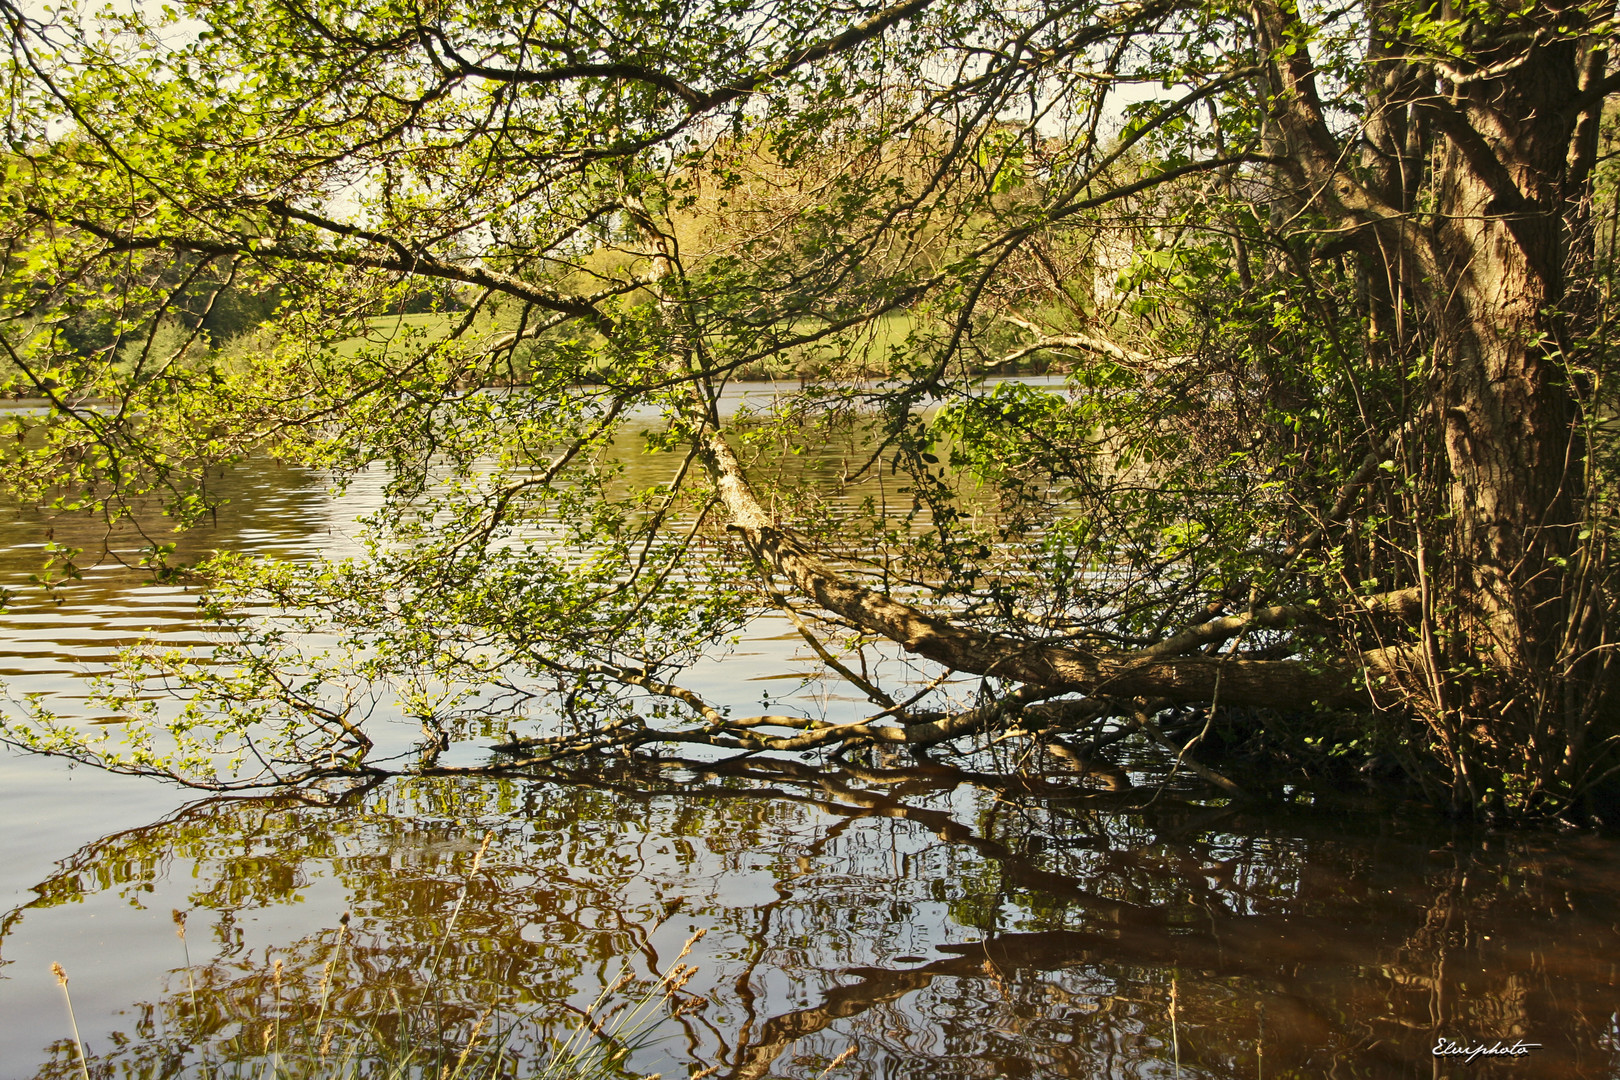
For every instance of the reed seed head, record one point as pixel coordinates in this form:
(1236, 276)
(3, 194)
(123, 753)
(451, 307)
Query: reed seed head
(482, 848)
(840, 1059)
(61, 976)
(691, 941)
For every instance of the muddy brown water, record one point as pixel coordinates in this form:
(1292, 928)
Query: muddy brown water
(902, 919)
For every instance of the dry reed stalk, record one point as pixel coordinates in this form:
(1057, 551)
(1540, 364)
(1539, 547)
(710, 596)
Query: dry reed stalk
(78, 1043)
(326, 980)
(472, 1040)
(568, 1058)
(1175, 1038)
(461, 898)
(275, 978)
(449, 928)
(179, 918)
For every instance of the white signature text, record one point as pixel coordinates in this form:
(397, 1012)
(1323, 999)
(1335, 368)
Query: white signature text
(1518, 1048)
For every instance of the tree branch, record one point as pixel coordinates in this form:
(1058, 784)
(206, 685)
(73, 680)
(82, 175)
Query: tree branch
(1130, 674)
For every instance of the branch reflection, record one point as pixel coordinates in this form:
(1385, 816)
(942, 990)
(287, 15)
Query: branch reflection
(945, 922)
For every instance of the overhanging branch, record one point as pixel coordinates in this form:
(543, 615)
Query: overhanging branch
(1233, 679)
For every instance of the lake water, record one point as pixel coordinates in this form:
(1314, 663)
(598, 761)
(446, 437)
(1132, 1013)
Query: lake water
(904, 919)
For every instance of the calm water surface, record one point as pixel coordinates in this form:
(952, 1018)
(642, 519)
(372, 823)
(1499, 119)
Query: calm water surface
(911, 919)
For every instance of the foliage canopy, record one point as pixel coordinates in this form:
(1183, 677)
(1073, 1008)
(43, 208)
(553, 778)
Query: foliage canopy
(1331, 288)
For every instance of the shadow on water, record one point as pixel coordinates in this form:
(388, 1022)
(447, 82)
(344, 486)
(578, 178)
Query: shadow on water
(944, 923)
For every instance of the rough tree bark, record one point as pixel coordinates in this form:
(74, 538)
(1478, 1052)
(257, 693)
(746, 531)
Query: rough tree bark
(1508, 655)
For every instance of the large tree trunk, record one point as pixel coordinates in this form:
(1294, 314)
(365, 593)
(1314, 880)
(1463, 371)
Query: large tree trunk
(1511, 226)
(1508, 413)
(1509, 659)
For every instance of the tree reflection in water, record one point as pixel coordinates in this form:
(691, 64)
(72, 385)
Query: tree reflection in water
(944, 923)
